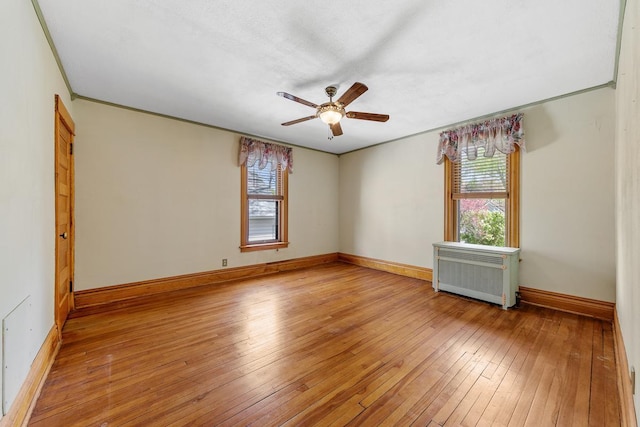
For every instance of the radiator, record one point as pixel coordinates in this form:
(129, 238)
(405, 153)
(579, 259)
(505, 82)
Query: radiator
(488, 273)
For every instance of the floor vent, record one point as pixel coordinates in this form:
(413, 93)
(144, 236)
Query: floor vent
(16, 354)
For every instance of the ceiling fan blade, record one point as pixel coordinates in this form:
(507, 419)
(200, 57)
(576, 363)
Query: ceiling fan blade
(352, 93)
(296, 99)
(367, 116)
(293, 122)
(336, 129)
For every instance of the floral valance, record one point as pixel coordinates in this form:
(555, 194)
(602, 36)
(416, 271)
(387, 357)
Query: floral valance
(496, 134)
(252, 151)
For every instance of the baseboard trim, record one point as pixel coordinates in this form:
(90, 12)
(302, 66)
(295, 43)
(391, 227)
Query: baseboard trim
(625, 394)
(388, 266)
(557, 301)
(101, 296)
(584, 306)
(24, 402)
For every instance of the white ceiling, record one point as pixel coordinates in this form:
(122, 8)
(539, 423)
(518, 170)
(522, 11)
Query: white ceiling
(427, 64)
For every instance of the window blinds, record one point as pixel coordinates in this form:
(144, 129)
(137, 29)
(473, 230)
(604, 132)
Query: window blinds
(484, 177)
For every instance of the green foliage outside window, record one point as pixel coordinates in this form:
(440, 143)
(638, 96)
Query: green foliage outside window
(482, 227)
(482, 221)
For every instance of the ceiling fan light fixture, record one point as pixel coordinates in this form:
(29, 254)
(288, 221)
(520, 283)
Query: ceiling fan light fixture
(330, 113)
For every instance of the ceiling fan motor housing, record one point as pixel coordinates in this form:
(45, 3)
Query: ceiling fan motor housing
(331, 91)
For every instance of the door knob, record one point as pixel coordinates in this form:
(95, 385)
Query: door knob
(64, 235)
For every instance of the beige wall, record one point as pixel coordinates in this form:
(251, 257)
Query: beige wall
(567, 206)
(157, 197)
(152, 194)
(30, 79)
(392, 201)
(391, 198)
(628, 190)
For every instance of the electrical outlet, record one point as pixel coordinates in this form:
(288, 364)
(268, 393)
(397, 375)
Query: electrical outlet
(224, 262)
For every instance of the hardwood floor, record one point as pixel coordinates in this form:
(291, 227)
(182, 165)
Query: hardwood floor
(332, 345)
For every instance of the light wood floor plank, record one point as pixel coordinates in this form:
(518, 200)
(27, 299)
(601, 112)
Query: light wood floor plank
(333, 345)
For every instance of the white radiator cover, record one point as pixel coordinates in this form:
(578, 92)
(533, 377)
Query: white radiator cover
(489, 273)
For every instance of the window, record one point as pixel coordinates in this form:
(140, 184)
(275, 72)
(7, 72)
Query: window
(264, 205)
(482, 199)
(482, 194)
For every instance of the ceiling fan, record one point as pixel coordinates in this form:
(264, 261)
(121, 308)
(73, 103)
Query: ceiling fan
(332, 112)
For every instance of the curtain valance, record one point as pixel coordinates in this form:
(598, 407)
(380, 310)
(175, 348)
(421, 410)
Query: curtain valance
(253, 150)
(496, 134)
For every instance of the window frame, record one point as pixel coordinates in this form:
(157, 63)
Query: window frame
(512, 202)
(282, 240)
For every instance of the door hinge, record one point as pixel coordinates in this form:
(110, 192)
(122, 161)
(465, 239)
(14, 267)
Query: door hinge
(70, 285)
(71, 148)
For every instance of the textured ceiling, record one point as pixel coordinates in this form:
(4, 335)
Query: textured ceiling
(427, 64)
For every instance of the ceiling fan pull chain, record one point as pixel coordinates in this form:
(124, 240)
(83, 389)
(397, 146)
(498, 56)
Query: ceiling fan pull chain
(330, 135)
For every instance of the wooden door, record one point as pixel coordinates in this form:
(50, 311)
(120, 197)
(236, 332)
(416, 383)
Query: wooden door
(64, 132)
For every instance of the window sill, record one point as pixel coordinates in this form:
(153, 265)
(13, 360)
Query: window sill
(263, 246)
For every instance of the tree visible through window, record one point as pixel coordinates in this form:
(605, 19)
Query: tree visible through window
(480, 188)
(482, 221)
(482, 199)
